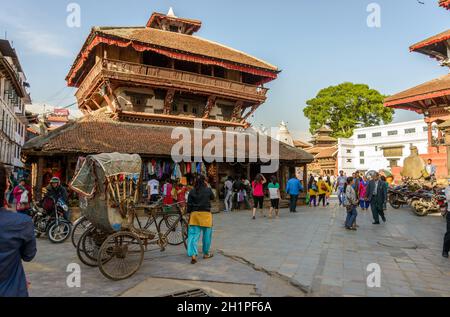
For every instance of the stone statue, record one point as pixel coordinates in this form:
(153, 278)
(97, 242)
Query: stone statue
(414, 165)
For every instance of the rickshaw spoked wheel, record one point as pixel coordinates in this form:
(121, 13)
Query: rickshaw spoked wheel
(88, 246)
(125, 254)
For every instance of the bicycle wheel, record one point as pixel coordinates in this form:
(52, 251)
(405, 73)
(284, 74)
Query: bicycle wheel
(172, 226)
(80, 227)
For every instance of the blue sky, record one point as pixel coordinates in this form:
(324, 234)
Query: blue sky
(315, 43)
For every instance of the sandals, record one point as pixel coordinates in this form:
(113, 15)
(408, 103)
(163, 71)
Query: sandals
(194, 261)
(208, 256)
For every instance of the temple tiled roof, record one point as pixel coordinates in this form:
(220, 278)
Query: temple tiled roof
(323, 152)
(435, 88)
(441, 37)
(445, 4)
(99, 132)
(176, 45)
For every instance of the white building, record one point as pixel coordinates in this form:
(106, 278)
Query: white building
(369, 148)
(13, 97)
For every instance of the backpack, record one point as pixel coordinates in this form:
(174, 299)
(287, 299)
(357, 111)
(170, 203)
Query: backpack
(24, 197)
(324, 187)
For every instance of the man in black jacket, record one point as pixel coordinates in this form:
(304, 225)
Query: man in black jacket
(376, 194)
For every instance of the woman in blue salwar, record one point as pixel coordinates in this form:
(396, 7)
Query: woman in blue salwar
(200, 219)
(17, 244)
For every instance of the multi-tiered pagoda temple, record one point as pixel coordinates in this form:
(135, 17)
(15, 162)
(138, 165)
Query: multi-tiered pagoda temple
(135, 84)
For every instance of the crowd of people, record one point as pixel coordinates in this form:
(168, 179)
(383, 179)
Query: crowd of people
(17, 239)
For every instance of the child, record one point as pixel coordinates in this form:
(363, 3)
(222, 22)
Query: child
(313, 194)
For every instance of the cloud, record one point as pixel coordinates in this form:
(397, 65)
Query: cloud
(43, 43)
(36, 41)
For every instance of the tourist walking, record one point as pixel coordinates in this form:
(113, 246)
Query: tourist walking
(339, 187)
(246, 191)
(228, 188)
(17, 244)
(363, 203)
(293, 189)
(22, 195)
(258, 194)
(350, 202)
(323, 189)
(386, 187)
(200, 219)
(329, 190)
(446, 248)
(376, 192)
(275, 196)
(313, 192)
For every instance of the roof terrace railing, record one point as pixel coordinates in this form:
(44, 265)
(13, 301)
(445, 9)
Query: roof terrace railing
(147, 74)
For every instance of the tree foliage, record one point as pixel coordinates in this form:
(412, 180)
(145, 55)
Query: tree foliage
(346, 107)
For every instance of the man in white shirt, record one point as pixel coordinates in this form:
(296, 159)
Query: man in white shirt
(431, 169)
(153, 189)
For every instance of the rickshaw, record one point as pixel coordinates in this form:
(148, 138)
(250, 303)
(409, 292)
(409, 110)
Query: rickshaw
(116, 237)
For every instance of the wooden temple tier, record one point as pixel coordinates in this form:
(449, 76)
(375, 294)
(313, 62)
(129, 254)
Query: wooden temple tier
(445, 4)
(174, 120)
(437, 46)
(139, 74)
(423, 98)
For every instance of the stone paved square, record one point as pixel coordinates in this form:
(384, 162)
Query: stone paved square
(308, 253)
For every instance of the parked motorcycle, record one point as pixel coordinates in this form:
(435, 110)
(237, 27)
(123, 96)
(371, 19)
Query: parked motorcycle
(398, 196)
(424, 202)
(51, 221)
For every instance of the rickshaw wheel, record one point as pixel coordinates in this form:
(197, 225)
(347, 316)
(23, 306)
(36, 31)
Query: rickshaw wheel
(79, 228)
(175, 230)
(88, 247)
(125, 253)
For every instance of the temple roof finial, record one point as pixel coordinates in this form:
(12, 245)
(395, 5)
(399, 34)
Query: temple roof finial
(171, 13)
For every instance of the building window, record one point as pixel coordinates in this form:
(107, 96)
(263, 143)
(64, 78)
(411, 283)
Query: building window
(362, 161)
(376, 135)
(349, 160)
(425, 129)
(392, 133)
(194, 110)
(185, 108)
(410, 131)
(174, 108)
(362, 136)
(349, 151)
(361, 153)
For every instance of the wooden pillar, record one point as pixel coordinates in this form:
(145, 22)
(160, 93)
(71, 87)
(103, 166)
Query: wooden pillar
(305, 176)
(430, 134)
(217, 183)
(40, 175)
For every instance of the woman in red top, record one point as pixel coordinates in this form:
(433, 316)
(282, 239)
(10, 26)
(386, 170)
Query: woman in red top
(258, 194)
(23, 203)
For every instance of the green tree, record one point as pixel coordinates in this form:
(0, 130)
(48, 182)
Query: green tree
(346, 107)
